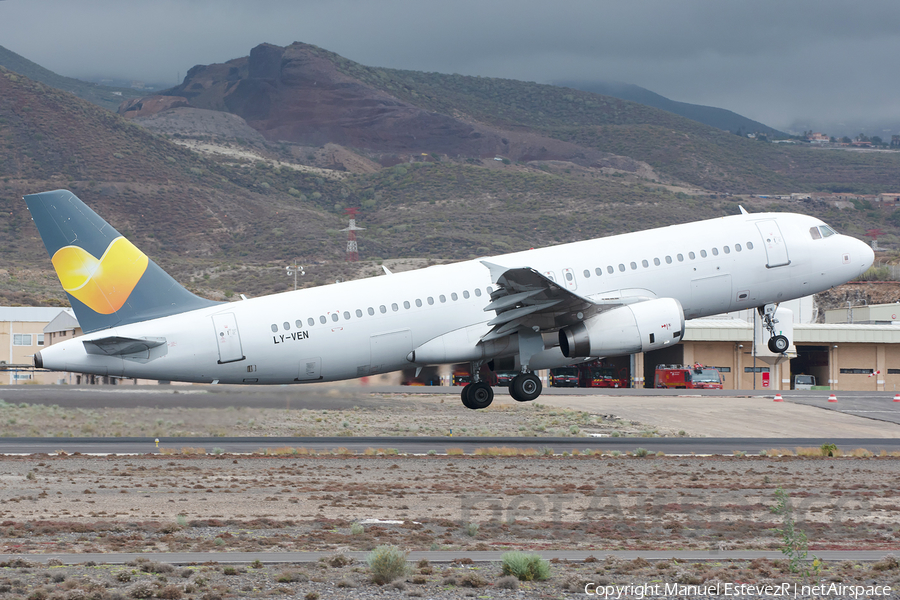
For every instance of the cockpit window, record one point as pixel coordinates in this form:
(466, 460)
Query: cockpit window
(826, 230)
(814, 232)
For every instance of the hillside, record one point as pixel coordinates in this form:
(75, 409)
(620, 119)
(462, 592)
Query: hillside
(306, 95)
(719, 118)
(108, 97)
(226, 221)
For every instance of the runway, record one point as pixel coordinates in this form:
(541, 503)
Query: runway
(440, 445)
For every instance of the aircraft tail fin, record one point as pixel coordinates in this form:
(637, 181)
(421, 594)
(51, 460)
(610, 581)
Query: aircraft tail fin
(109, 281)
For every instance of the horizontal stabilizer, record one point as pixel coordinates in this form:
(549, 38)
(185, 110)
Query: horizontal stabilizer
(117, 346)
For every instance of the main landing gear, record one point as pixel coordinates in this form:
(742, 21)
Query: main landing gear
(525, 387)
(778, 344)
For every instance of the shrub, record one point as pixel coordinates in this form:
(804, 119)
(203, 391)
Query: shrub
(641, 452)
(229, 571)
(170, 592)
(472, 529)
(357, 529)
(524, 566)
(141, 589)
(387, 563)
(507, 583)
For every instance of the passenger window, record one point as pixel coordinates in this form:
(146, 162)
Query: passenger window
(668, 260)
(299, 323)
(346, 315)
(454, 296)
(680, 257)
(726, 249)
(418, 303)
(322, 319)
(430, 300)
(598, 271)
(406, 304)
(569, 276)
(656, 261)
(587, 273)
(490, 290)
(609, 269)
(691, 255)
(287, 326)
(715, 251)
(749, 245)
(737, 247)
(394, 307)
(274, 328)
(644, 263)
(633, 266)
(382, 309)
(442, 298)
(334, 317)
(466, 294)
(311, 321)
(371, 311)
(478, 292)
(703, 254)
(358, 313)
(621, 267)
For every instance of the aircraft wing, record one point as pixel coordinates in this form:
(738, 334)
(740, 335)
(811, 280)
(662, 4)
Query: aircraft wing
(117, 345)
(526, 298)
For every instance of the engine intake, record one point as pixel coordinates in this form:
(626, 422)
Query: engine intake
(639, 327)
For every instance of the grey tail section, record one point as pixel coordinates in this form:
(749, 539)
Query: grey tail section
(108, 280)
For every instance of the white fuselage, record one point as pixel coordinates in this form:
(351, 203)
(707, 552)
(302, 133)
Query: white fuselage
(370, 326)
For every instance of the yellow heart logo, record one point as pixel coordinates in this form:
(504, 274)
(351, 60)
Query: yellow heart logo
(105, 284)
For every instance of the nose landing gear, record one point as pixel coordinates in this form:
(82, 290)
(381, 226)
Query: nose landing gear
(778, 344)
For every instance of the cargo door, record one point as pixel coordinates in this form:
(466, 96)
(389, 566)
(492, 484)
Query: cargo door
(776, 250)
(228, 339)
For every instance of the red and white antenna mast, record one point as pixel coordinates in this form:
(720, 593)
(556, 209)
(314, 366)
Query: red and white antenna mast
(352, 248)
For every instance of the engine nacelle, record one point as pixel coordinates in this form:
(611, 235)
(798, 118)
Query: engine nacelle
(639, 327)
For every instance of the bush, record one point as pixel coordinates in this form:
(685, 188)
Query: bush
(524, 566)
(170, 592)
(387, 563)
(142, 589)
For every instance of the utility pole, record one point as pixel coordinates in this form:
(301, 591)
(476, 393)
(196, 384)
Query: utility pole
(293, 270)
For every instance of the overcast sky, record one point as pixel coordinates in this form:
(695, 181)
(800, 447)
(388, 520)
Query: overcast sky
(771, 60)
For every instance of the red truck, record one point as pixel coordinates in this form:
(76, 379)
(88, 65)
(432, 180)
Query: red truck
(599, 375)
(696, 377)
(564, 377)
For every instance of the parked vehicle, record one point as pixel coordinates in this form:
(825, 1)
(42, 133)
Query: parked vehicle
(564, 377)
(696, 377)
(803, 382)
(598, 374)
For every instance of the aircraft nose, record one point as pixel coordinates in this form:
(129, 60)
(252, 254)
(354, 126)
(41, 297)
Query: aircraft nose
(864, 254)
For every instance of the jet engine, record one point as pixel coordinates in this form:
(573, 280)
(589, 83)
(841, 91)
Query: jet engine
(639, 327)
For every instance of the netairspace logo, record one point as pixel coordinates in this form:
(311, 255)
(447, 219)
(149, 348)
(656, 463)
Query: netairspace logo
(784, 590)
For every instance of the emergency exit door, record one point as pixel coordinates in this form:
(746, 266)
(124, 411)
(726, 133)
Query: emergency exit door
(228, 339)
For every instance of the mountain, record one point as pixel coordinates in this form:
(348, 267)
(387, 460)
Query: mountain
(305, 95)
(220, 195)
(719, 118)
(108, 97)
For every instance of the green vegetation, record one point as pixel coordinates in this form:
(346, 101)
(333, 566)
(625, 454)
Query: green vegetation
(525, 566)
(387, 563)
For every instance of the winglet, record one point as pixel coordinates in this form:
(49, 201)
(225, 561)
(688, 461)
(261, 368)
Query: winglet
(386, 270)
(496, 270)
(743, 210)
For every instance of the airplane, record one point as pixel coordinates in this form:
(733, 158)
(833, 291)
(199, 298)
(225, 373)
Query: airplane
(545, 308)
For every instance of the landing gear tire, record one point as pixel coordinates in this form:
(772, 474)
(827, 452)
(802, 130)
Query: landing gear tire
(480, 395)
(464, 394)
(779, 344)
(525, 387)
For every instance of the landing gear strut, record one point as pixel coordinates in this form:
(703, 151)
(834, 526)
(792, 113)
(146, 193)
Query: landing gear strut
(525, 387)
(778, 344)
(477, 394)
